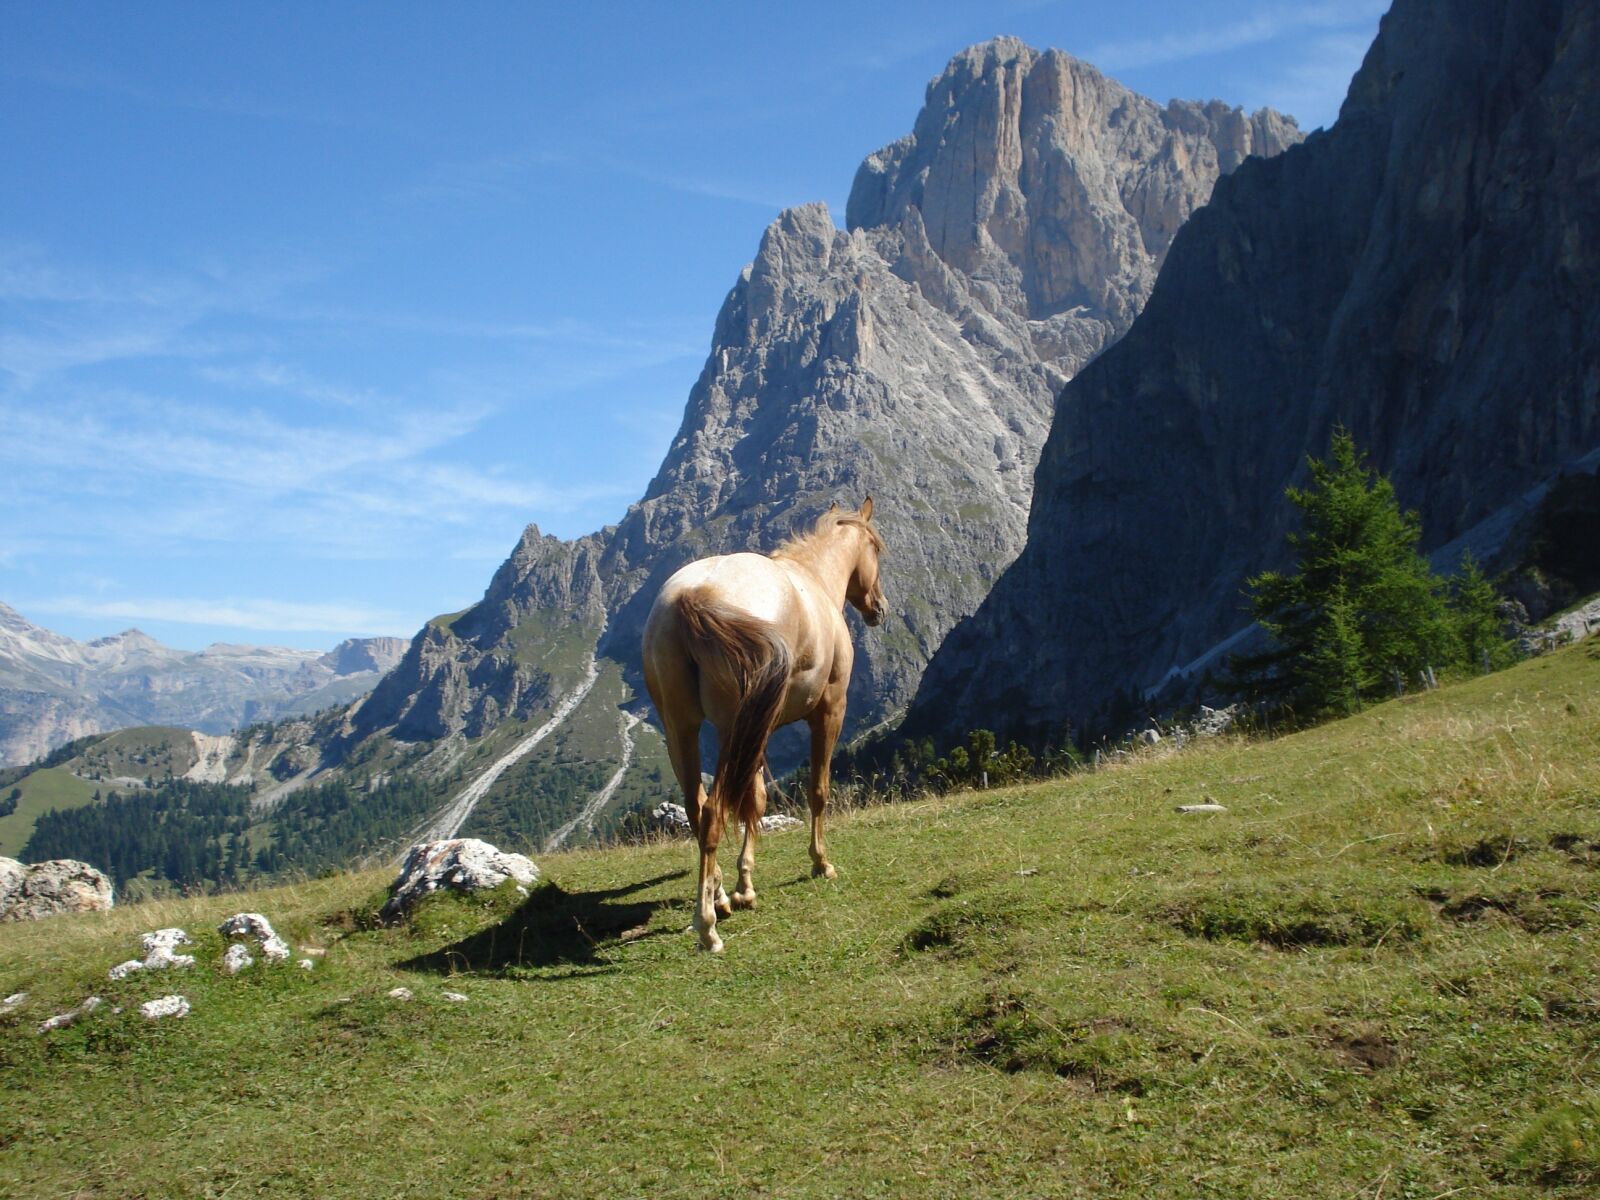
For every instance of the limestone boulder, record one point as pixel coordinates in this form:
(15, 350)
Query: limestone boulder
(29, 891)
(459, 864)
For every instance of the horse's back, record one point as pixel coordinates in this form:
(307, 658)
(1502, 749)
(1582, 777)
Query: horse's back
(751, 584)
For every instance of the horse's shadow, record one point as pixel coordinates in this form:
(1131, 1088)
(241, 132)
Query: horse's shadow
(552, 927)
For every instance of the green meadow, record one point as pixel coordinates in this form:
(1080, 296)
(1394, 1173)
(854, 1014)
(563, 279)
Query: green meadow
(1376, 975)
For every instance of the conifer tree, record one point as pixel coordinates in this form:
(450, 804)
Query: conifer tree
(1361, 603)
(1475, 608)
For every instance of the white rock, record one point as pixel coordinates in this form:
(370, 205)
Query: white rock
(774, 822)
(62, 1020)
(29, 891)
(400, 993)
(455, 997)
(166, 1006)
(237, 958)
(1201, 808)
(159, 946)
(254, 925)
(461, 864)
(671, 816)
(13, 1001)
(1150, 737)
(123, 970)
(313, 951)
(305, 964)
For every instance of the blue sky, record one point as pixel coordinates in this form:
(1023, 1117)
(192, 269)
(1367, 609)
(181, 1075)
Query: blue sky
(307, 309)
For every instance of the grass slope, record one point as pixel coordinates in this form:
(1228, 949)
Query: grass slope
(42, 790)
(1375, 975)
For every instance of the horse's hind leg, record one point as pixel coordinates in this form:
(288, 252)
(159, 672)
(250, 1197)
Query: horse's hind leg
(744, 896)
(673, 695)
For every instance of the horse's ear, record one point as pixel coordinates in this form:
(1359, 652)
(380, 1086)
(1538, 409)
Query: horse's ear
(866, 509)
(832, 508)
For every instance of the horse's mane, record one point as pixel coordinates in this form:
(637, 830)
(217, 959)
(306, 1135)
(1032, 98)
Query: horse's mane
(804, 546)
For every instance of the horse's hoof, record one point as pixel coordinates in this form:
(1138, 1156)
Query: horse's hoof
(725, 907)
(823, 871)
(711, 945)
(745, 900)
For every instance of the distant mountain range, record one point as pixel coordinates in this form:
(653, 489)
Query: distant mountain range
(54, 689)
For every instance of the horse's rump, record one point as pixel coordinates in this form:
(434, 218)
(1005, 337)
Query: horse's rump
(721, 638)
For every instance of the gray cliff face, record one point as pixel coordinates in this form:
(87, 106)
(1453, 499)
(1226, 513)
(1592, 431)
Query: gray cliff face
(54, 689)
(1426, 272)
(914, 356)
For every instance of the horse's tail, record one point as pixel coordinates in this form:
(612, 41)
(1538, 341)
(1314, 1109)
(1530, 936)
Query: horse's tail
(724, 638)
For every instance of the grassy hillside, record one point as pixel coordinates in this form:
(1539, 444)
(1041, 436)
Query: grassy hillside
(1378, 974)
(42, 790)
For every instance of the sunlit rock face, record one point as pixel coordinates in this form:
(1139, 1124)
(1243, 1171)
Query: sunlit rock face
(1426, 272)
(914, 355)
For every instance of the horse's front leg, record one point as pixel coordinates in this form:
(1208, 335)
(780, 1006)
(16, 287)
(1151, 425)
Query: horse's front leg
(825, 725)
(744, 896)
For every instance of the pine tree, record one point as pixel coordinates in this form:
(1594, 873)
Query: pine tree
(1361, 602)
(1475, 609)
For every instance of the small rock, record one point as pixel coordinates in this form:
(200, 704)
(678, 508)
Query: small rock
(62, 1020)
(254, 925)
(305, 964)
(313, 951)
(123, 970)
(1200, 808)
(237, 958)
(159, 946)
(166, 1006)
(774, 822)
(461, 864)
(1150, 737)
(15, 1000)
(671, 816)
(400, 993)
(455, 997)
(1027, 871)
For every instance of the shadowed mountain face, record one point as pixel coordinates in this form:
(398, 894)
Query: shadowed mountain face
(914, 356)
(54, 689)
(1426, 272)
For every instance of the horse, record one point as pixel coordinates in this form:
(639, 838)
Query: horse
(753, 642)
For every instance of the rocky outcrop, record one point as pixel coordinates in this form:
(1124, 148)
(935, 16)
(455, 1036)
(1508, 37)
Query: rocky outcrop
(259, 930)
(48, 889)
(456, 864)
(914, 355)
(54, 689)
(1426, 272)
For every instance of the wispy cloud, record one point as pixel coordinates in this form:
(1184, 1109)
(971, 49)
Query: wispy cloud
(1313, 84)
(234, 613)
(1265, 25)
(511, 176)
(237, 103)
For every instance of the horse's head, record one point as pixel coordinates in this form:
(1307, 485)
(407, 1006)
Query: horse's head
(865, 589)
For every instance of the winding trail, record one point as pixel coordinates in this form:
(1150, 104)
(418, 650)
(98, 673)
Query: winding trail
(449, 822)
(597, 802)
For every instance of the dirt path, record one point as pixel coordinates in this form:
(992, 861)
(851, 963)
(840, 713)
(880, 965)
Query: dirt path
(449, 822)
(597, 802)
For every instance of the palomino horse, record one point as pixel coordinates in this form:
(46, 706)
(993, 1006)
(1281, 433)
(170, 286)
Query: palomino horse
(751, 642)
